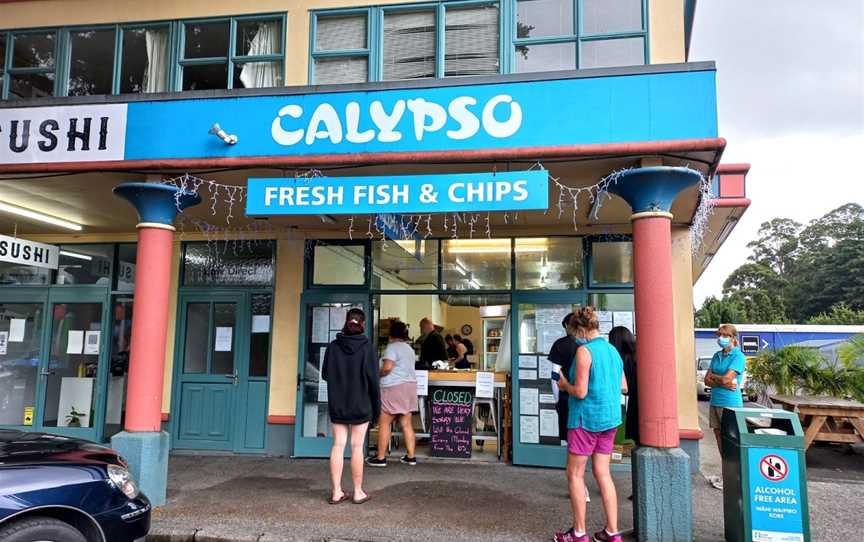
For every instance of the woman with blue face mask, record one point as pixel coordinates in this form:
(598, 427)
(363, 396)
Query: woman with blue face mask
(724, 377)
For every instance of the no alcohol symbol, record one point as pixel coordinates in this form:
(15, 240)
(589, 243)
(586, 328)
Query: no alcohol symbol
(774, 468)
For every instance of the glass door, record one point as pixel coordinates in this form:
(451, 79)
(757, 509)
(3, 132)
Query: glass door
(537, 320)
(73, 373)
(323, 315)
(21, 323)
(211, 360)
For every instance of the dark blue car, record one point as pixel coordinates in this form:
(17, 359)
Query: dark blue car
(62, 489)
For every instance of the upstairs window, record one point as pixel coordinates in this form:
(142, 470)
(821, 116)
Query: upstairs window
(232, 53)
(31, 60)
(569, 34)
(408, 42)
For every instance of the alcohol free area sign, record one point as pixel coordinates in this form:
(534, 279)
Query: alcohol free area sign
(775, 496)
(405, 194)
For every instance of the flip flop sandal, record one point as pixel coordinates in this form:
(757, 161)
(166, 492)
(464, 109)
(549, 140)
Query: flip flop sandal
(338, 501)
(361, 501)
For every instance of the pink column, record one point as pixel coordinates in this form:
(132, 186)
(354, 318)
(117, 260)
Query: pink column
(149, 327)
(655, 346)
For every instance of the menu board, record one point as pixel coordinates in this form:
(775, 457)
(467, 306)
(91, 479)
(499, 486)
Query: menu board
(452, 420)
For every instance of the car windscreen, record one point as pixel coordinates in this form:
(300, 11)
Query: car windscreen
(704, 363)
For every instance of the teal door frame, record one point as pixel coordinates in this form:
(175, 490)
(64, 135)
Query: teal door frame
(540, 455)
(235, 383)
(319, 446)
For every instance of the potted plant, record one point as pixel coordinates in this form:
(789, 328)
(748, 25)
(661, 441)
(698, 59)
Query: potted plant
(74, 418)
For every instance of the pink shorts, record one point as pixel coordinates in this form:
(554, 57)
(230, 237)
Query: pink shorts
(582, 442)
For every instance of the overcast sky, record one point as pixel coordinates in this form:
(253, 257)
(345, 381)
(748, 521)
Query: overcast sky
(790, 86)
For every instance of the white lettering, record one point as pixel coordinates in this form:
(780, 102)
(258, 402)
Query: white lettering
(325, 114)
(423, 110)
(386, 123)
(506, 128)
(468, 122)
(282, 136)
(520, 190)
(269, 195)
(451, 192)
(352, 125)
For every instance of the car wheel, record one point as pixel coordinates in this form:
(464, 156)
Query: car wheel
(40, 529)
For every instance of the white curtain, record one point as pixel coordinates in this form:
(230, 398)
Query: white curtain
(155, 73)
(262, 74)
(502, 363)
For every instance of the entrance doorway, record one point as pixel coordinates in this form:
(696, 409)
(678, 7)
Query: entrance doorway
(54, 381)
(220, 391)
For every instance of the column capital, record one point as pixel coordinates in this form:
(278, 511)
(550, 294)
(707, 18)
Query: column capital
(157, 204)
(650, 214)
(652, 189)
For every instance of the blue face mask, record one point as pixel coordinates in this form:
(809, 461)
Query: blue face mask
(580, 341)
(723, 341)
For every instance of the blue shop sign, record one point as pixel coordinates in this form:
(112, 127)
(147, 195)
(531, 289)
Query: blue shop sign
(775, 495)
(403, 194)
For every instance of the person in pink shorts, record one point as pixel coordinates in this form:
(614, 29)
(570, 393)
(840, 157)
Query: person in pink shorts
(595, 384)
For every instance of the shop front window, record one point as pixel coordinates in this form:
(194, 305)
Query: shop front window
(259, 345)
(118, 369)
(232, 263)
(339, 264)
(85, 264)
(127, 253)
(613, 310)
(20, 337)
(405, 265)
(476, 264)
(611, 263)
(23, 275)
(549, 263)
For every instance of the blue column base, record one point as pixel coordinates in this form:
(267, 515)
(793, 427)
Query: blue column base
(662, 497)
(147, 454)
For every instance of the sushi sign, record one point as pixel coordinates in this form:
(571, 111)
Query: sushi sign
(21, 251)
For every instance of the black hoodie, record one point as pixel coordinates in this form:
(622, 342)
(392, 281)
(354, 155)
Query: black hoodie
(351, 372)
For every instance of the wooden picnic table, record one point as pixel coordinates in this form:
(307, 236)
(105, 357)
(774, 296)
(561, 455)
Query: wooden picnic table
(826, 419)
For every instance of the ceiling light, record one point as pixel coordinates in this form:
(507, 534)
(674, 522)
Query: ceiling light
(41, 217)
(474, 283)
(76, 255)
(328, 219)
(460, 268)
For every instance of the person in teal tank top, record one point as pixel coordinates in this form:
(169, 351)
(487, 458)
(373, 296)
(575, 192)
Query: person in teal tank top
(595, 386)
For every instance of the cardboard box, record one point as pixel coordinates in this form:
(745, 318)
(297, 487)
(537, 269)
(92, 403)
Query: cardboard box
(618, 453)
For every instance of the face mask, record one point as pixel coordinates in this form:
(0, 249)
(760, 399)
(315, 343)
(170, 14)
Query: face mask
(723, 341)
(580, 341)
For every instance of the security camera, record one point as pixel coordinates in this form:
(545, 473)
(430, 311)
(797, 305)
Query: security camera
(216, 130)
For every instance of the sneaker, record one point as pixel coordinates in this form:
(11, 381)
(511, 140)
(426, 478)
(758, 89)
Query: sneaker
(375, 462)
(409, 460)
(570, 537)
(603, 536)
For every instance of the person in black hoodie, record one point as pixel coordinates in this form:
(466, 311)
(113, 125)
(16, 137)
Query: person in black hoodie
(351, 371)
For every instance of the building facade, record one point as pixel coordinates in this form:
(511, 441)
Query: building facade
(204, 96)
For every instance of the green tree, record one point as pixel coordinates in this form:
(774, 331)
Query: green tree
(840, 314)
(717, 311)
(776, 244)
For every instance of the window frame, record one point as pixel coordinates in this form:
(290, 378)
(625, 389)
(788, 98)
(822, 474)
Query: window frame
(578, 37)
(8, 71)
(180, 62)
(375, 34)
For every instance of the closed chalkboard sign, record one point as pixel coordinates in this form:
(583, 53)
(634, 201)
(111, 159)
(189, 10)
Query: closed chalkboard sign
(452, 420)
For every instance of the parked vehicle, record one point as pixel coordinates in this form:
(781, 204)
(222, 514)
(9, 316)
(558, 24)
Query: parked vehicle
(67, 490)
(704, 392)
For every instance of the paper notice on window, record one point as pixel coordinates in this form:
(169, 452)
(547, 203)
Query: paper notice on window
(322, 384)
(529, 400)
(545, 369)
(548, 423)
(547, 399)
(4, 342)
(547, 335)
(606, 327)
(224, 334)
(75, 342)
(527, 362)
(527, 374)
(422, 383)
(91, 342)
(17, 326)
(260, 323)
(320, 324)
(337, 317)
(624, 319)
(485, 385)
(529, 430)
(604, 316)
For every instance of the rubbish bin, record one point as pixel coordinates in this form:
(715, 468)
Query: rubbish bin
(764, 476)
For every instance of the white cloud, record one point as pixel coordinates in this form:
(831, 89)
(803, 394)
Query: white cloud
(791, 103)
